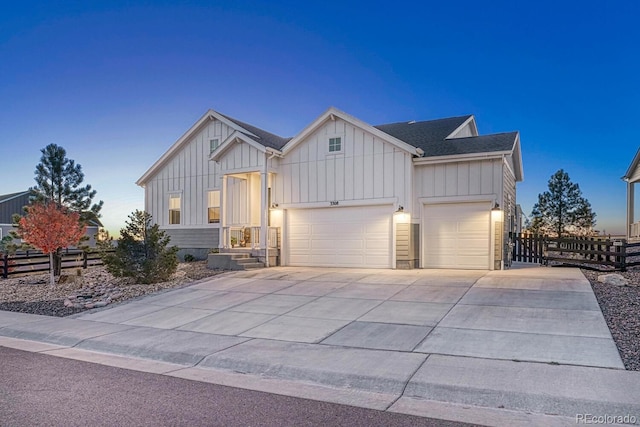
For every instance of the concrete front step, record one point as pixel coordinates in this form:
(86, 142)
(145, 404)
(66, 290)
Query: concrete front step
(233, 261)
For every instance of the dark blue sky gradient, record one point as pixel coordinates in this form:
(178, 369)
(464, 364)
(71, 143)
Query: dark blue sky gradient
(117, 82)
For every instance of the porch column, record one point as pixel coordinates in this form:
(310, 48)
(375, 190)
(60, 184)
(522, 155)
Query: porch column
(630, 207)
(223, 216)
(264, 210)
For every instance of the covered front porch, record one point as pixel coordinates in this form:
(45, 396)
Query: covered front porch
(247, 222)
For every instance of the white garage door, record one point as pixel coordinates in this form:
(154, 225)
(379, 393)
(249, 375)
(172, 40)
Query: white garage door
(456, 235)
(340, 237)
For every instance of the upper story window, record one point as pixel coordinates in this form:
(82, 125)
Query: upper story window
(174, 208)
(214, 143)
(335, 144)
(213, 210)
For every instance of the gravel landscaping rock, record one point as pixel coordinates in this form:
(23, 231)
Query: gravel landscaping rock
(620, 305)
(86, 289)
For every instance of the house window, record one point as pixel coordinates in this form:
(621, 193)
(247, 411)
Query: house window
(174, 209)
(335, 144)
(213, 144)
(213, 211)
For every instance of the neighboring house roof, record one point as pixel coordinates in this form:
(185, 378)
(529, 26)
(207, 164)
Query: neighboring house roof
(11, 204)
(7, 197)
(419, 134)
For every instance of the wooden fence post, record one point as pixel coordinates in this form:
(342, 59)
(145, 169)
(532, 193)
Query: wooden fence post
(84, 260)
(5, 267)
(621, 258)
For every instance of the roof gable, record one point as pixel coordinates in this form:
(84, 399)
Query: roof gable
(331, 114)
(237, 137)
(258, 135)
(633, 167)
(261, 136)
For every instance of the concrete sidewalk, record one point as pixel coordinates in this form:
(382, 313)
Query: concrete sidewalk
(511, 347)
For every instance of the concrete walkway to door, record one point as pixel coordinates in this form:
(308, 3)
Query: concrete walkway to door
(516, 346)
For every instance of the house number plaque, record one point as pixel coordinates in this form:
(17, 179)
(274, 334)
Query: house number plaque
(333, 203)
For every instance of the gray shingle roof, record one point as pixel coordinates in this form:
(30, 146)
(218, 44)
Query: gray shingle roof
(472, 145)
(420, 133)
(265, 138)
(430, 136)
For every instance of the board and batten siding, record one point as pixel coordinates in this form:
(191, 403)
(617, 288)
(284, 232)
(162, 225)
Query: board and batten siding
(368, 168)
(458, 179)
(189, 173)
(242, 156)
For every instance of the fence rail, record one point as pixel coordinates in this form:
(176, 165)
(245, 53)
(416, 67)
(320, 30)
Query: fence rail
(616, 254)
(30, 262)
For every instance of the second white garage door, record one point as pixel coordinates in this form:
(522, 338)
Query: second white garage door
(339, 237)
(456, 235)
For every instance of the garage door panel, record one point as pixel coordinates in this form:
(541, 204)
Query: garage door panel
(456, 235)
(347, 237)
(300, 229)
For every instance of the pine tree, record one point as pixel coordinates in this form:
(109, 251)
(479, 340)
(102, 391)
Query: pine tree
(59, 180)
(562, 210)
(142, 252)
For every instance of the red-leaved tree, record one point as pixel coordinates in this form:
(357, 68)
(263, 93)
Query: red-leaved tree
(48, 227)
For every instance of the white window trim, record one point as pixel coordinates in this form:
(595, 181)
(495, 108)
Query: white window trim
(179, 194)
(213, 224)
(219, 138)
(334, 135)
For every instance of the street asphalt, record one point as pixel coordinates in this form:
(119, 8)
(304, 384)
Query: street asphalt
(516, 347)
(42, 390)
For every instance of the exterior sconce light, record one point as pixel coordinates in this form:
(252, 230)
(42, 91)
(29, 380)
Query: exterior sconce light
(274, 205)
(400, 209)
(496, 213)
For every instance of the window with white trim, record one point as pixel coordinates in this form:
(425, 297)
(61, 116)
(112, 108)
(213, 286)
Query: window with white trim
(174, 208)
(335, 144)
(214, 143)
(213, 209)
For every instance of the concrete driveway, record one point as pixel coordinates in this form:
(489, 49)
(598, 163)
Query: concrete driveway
(529, 339)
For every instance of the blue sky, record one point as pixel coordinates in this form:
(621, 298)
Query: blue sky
(117, 82)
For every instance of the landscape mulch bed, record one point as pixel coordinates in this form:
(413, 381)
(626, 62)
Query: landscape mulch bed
(620, 306)
(33, 294)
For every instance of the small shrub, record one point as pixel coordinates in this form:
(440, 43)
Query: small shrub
(189, 258)
(142, 252)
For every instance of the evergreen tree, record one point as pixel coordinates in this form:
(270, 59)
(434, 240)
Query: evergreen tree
(562, 210)
(142, 252)
(59, 180)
